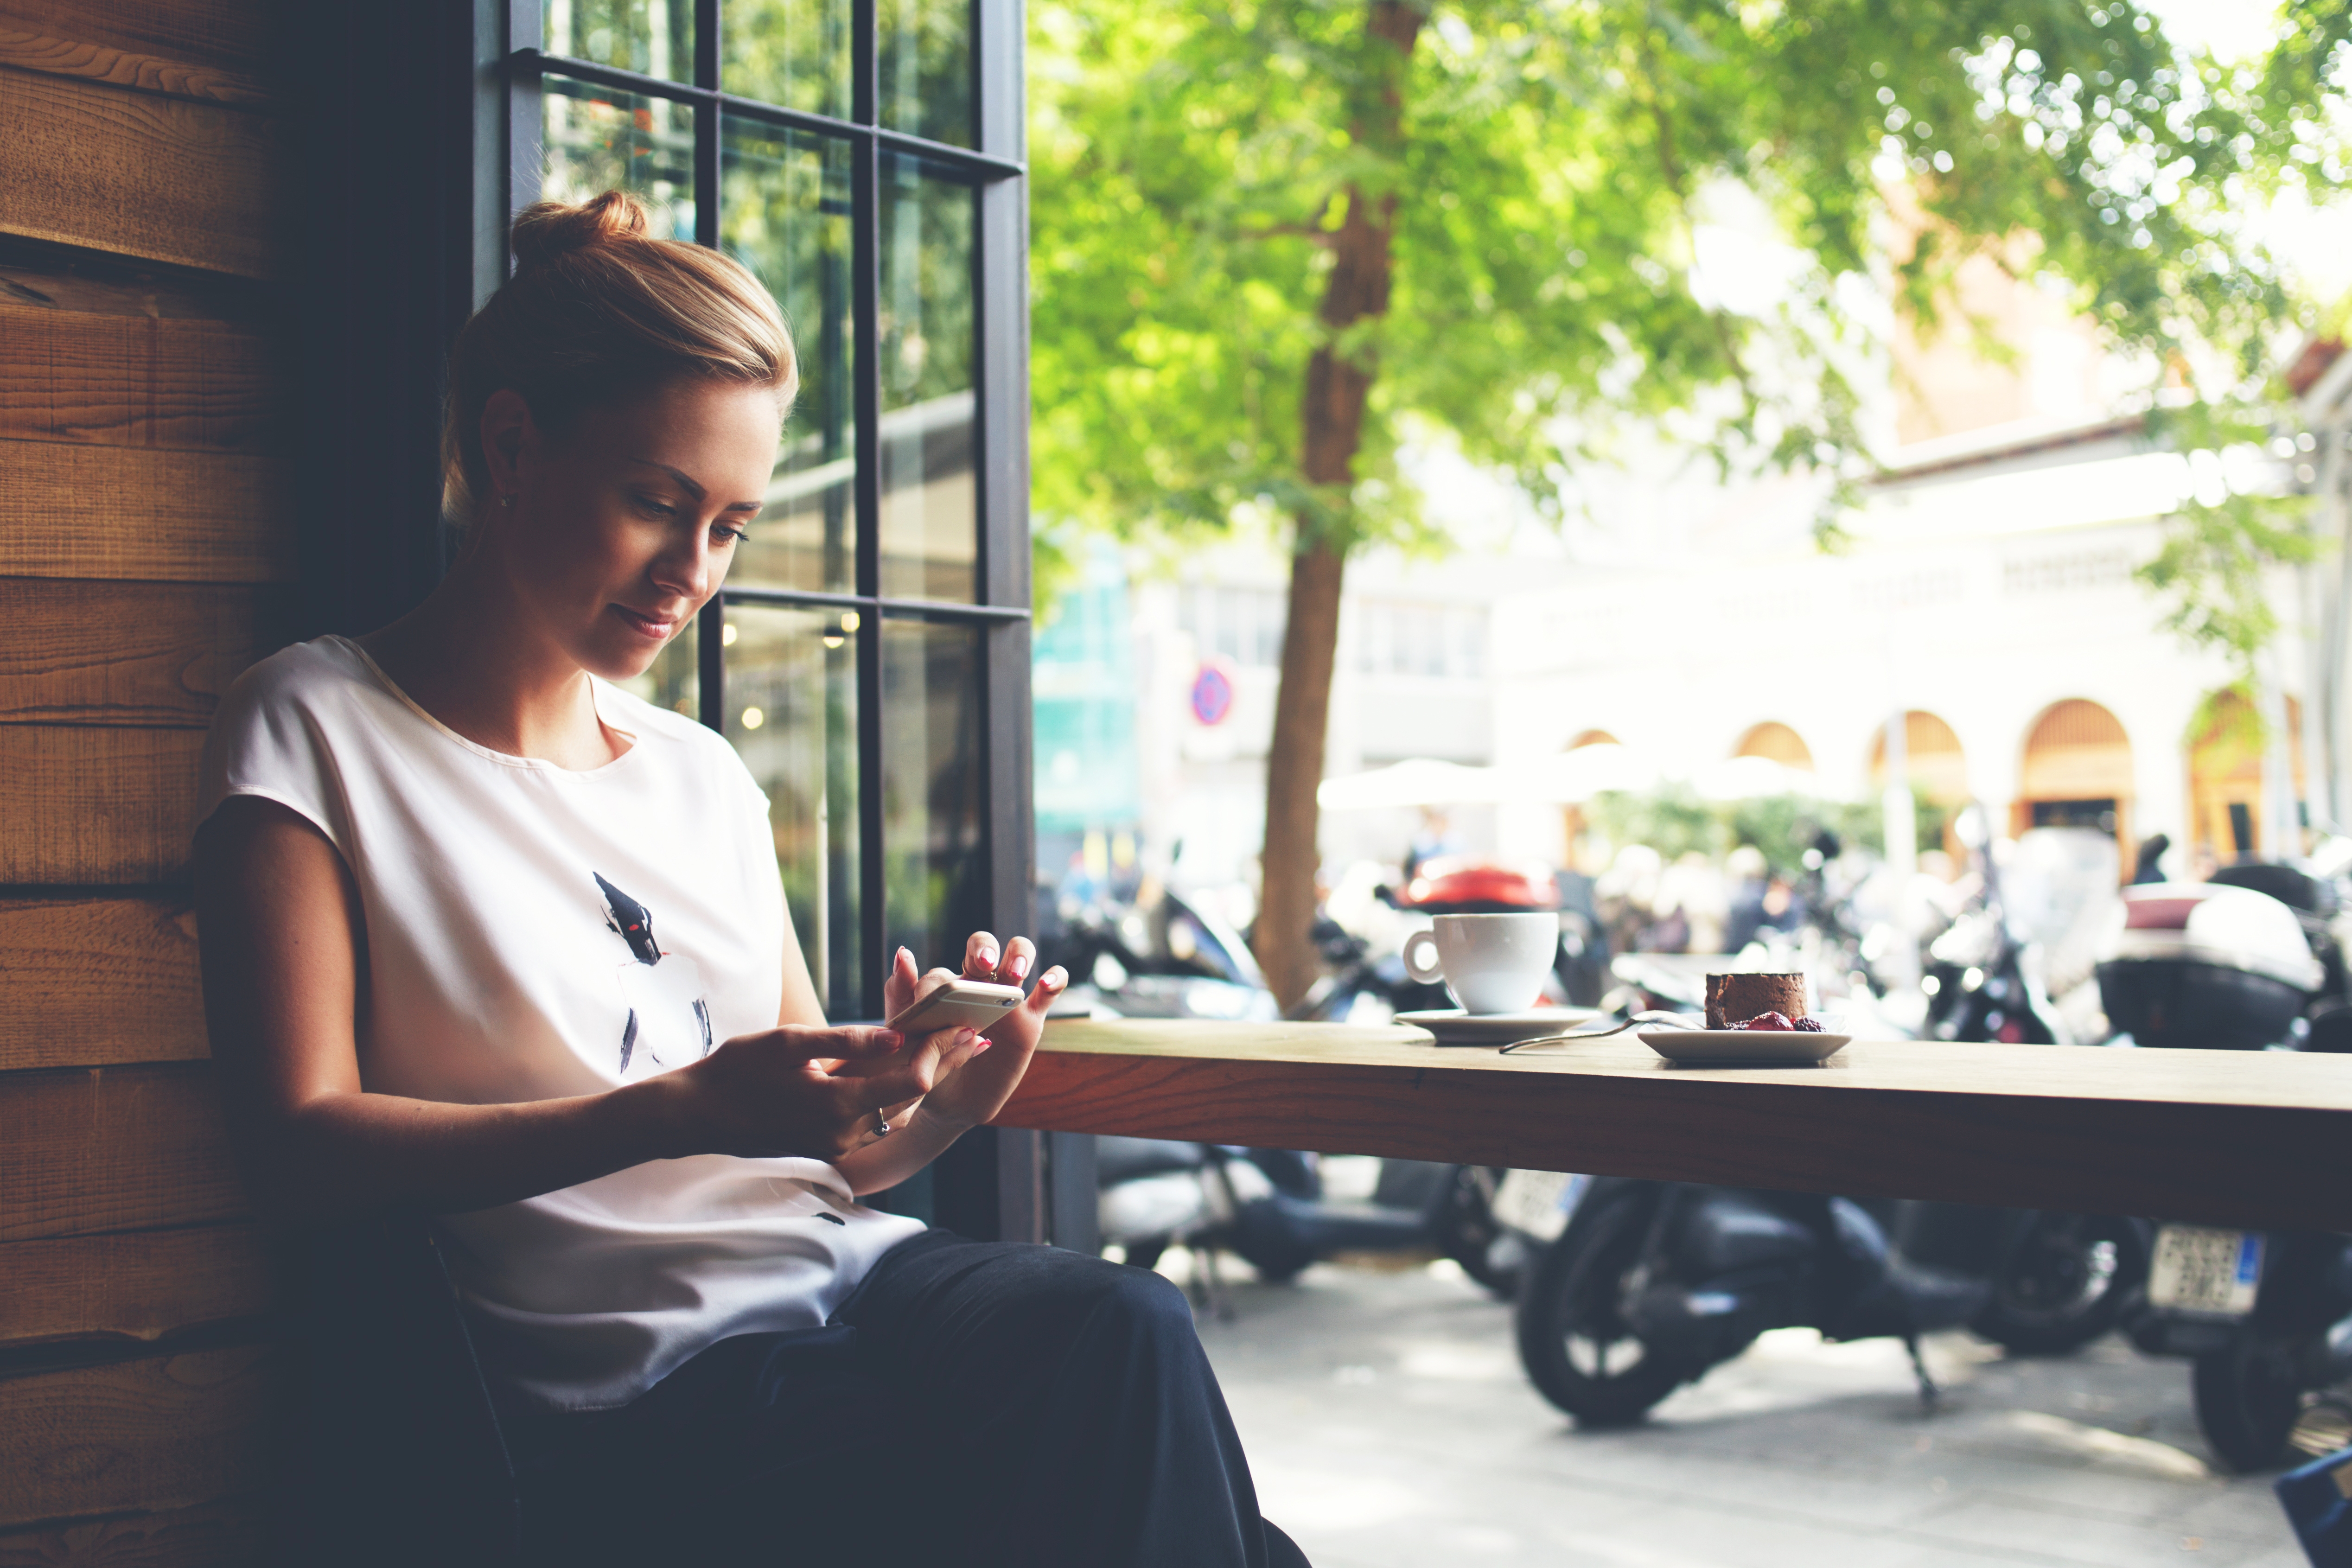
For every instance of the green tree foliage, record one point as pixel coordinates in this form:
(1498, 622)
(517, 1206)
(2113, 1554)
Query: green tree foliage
(1188, 156)
(1675, 821)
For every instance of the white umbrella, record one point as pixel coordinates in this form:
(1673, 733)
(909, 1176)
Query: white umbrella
(1417, 781)
(1750, 778)
(1572, 778)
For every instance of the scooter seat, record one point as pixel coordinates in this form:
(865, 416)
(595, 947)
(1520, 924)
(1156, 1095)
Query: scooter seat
(1124, 1159)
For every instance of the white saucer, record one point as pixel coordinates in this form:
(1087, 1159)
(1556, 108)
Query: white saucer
(1453, 1026)
(1746, 1047)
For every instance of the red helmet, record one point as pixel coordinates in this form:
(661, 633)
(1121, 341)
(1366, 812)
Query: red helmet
(1467, 884)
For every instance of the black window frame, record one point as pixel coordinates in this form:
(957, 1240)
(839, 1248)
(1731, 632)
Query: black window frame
(510, 115)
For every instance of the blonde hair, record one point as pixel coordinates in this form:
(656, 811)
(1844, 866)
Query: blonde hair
(598, 310)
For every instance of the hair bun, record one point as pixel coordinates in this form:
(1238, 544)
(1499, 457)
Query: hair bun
(544, 231)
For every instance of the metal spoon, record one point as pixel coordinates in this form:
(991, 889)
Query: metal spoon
(1679, 1020)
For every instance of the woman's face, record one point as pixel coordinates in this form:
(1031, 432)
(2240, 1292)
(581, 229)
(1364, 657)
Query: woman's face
(621, 528)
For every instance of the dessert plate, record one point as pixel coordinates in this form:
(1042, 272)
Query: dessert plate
(1755, 1047)
(1453, 1026)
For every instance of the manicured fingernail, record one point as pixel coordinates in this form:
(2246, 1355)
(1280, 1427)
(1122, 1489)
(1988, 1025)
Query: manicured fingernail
(905, 957)
(889, 1039)
(965, 1037)
(981, 1048)
(1054, 979)
(1019, 965)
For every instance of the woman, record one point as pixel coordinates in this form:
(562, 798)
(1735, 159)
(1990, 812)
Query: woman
(488, 939)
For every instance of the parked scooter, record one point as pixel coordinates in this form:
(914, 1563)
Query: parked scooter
(1270, 1207)
(1650, 1284)
(2249, 961)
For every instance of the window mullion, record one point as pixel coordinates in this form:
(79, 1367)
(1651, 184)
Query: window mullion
(866, 287)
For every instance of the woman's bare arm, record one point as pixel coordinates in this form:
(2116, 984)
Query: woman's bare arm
(283, 938)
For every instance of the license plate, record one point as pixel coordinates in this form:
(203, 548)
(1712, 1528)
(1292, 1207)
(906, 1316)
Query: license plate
(1538, 1202)
(2201, 1270)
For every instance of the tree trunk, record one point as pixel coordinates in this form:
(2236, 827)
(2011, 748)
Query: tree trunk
(1356, 289)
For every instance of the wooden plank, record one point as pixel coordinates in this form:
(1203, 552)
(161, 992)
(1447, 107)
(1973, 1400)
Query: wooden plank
(231, 1533)
(139, 1286)
(144, 654)
(166, 1433)
(112, 1149)
(73, 509)
(2257, 1139)
(99, 807)
(193, 48)
(132, 380)
(99, 981)
(54, 277)
(93, 165)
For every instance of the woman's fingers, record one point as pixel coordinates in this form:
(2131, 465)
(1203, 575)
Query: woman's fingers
(898, 986)
(979, 951)
(1020, 956)
(861, 1042)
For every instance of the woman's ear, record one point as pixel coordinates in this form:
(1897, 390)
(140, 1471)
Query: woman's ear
(509, 444)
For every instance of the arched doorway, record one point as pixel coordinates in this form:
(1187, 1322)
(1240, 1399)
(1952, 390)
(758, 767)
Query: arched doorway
(2225, 776)
(1777, 743)
(2077, 772)
(1937, 770)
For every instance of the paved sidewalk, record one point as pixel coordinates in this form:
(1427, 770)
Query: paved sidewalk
(1390, 1426)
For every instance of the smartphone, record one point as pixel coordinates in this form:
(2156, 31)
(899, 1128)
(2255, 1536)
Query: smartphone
(958, 1005)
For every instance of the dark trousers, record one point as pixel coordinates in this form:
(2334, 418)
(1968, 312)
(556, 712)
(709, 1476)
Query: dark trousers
(974, 1401)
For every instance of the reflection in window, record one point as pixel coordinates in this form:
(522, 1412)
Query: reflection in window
(785, 213)
(934, 830)
(792, 714)
(651, 37)
(929, 515)
(598, 140)
(792, 52)
(923, 48)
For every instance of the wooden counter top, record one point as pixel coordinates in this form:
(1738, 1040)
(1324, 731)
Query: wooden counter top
(2252, 1139)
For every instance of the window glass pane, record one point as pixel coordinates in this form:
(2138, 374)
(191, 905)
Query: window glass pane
(923, 50)
(934, 837)
(790, 52)
(930, 518)
(598, 140)
(785, 213)
(791, 712)
(675, 680)
(651, 37)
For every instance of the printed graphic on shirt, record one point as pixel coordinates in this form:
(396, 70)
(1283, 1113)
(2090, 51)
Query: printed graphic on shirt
(668, 1017)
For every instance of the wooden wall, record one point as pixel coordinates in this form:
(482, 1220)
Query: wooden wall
(147, 555)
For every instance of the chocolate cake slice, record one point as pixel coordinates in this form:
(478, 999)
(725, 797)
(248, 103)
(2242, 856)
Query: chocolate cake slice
(1733, 999)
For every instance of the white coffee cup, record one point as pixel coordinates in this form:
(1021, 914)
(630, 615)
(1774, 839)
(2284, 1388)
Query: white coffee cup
(1492, 963)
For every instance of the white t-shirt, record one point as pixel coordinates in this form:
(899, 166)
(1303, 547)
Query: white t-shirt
(534, 932)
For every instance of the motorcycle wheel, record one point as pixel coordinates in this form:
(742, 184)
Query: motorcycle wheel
(1468, 1230)
(2247, 1400)
(1572, 1338)
(2066, 1285)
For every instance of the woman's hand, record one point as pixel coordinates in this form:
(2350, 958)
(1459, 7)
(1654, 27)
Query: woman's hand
(816, 1092)
(973, 1089)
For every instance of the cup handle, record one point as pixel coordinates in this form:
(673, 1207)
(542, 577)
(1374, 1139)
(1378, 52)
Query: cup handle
(1428, 970)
